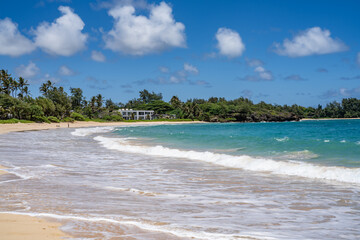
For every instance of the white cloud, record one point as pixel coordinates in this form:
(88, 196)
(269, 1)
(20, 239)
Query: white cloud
(164, 69)
(190, 68)
(295, 77)
(254, 62)
(63, 36)
(181, 76)
(264, 74)
(65, 71)
(98, 56)
(47, 77)
(229, 43)
(358, 58)
(174, 79)
(29, 71)
(12, 42)
(341, 93)
(140, 35)
(353, 92)
(312, 41)
(261, 74)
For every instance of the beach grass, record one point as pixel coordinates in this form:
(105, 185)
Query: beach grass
(14, 120)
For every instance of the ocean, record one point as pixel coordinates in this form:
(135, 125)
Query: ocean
(291, 180)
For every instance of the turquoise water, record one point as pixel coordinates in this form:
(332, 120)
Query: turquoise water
(331, 143)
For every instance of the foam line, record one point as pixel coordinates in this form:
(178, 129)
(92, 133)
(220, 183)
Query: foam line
(179, 232)
(82, 132)
(290, 168)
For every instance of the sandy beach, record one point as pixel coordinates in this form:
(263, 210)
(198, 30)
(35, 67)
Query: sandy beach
(20, 127)
(21, 227)
(322, 119)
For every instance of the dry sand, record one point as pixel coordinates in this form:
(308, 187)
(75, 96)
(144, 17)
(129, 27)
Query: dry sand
(322, 119)
(20, 127)
(21, 227)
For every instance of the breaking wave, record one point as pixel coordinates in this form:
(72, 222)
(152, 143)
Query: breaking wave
(82, 132)
(290, 168)
(284, 139)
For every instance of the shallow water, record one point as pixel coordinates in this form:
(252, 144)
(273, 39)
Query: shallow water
(204, 181)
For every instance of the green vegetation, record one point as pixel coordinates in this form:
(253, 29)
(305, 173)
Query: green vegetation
(40, 119)
(53, 119)
(77, 116)
(14, 120)
(68, 119)
(55, 105)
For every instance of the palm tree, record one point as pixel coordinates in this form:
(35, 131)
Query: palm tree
(191, 110)
(175, 102)
(92, 103)
(45, 87)
(13, 86)
(26, 91)
(5, 82)
(99, 100)
(22, 85)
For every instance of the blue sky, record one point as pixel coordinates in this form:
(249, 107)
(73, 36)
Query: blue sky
(283, 52)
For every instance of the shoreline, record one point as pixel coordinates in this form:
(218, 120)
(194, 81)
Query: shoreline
(324, 119)
(2, 168)
(23, 227)
(22, 127)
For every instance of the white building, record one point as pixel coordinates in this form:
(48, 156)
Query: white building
(129, 114)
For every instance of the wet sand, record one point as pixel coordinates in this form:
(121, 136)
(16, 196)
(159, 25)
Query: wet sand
(20, 227)
(2, 171)
(20, 127)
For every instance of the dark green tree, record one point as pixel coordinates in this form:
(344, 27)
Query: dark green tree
(77, 98)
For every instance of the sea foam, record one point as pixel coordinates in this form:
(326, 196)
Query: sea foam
(284, 139)
(147, 193)
(290, 168)
(82, 132)
(148, 226)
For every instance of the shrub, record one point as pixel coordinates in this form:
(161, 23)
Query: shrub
(116, 118)
(53, 119)
(113, 118)
(77, 116)
(230, 119)
(68, 119)
(40, 119)
(13, 120)
(107, 118)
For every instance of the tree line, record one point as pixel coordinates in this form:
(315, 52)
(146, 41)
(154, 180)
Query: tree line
(55, 105)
